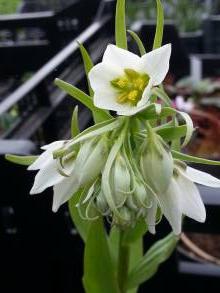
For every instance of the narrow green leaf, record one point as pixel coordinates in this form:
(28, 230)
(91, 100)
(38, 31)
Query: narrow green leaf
(133, 234)
(82, 97)
(21, 160)
(192, 159)
(74, 123)
(88, 65)
(171, 133)
(81, 225)
(120, 25)
(138, 42)
(160, 93)
(99, 273)
(148, 265)
(102, 130)
(160, 24)
(152, 113)
(176, 143)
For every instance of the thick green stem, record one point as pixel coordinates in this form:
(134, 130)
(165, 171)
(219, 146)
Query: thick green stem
(123, 264)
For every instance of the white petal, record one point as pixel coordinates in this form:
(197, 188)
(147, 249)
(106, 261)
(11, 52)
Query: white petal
(171, 206)
(108, 100)
(120, 58)
(101, 75)
(156, 63)
(132, 110)
(151, 216)
(191, 202)
(105, 96)
(146, 94)
(46, 156)
(46, 177)
(202, 177)
(64, 191)
(53, 145)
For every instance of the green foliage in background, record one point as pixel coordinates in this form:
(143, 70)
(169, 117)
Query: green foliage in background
(9, 6)
(187, 14)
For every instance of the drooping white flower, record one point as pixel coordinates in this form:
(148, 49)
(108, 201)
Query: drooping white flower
(47, 175)
(77, 170)
(182, 196)
(122, 81)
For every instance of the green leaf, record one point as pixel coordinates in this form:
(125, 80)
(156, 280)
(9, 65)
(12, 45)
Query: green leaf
(176, 143)
(81, 225)
(149, 264)
(133, 234)
(87, 135)
(160, 93)
(120, 25)
(160, 24)
(88, 65)
(192, 159)
(152, 113)
(138, 42)
(99, 273)
(171, 133)
(74, 123)
(21, 160)
(82, 97)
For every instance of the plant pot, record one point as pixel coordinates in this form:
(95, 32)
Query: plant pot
(192, 41)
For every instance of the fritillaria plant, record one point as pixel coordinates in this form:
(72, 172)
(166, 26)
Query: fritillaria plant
(127, 171)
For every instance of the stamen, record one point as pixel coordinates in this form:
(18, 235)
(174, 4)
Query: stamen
(130, 87)
(133, 95)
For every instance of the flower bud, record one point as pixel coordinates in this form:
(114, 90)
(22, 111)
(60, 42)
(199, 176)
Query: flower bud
(101, 204)
(120, 181)
(91, 159)
(141, 196)
(125, 218)
(156, 163)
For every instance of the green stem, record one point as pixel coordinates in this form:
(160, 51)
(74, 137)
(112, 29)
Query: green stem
(123, 264)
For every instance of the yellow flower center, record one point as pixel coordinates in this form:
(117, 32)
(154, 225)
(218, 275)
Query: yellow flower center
(130, 86)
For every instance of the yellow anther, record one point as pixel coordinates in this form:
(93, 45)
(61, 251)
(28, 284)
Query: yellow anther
(133, 95)
(139, 84)
(122, 98)
(122, 83)
(130, 87)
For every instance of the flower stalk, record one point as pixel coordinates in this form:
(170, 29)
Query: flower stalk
(123, 263)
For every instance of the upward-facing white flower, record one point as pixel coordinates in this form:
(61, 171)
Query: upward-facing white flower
(122, 81)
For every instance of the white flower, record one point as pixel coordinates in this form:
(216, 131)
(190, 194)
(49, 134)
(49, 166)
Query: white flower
(122, 81)
(182, 197)
(75, 173)
(47, 175)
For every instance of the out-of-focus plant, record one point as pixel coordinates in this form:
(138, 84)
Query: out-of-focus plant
(187, 14)
(196, 90)
(8, 6)
(8, 119)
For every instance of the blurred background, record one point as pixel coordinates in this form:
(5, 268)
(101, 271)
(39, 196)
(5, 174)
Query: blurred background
(41, 251)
